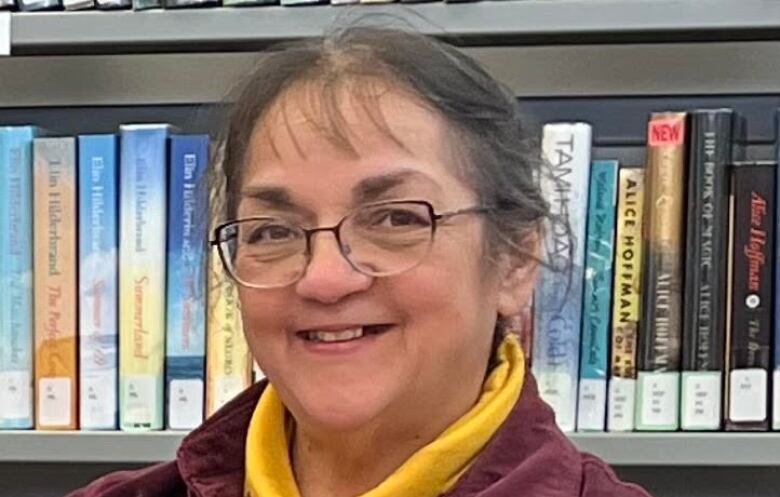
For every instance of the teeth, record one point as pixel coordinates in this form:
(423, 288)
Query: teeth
(334, 336)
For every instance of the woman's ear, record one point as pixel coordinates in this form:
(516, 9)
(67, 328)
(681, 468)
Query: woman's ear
(518, 276)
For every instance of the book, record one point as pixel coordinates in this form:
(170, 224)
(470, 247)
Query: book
(55, 286)
(248, 3)
(186, 299)
(626, 299)
(179, 4)
(228, 362)
(16, 278)
(752, 207)
(658, 378)
(98, 281)
(78, 4)
(558, 296)
(293, 3)
(143, 190)
(597, 296)
(35, 5)
(147, 4)
(113, 4)
(704, 315)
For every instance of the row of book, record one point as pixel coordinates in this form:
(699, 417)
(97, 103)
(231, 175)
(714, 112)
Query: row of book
(108, 295)
(654, 310)
(668, 279)
(47, 5)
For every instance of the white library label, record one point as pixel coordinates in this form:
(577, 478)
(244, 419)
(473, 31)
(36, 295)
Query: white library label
(139, 402)
(620, 411)
(98, 400)
(16, 392)
(701, 404)
(5, 33)
(555, 389)
(592, 406)
(54, 401)
(185, 404)
(659, 394)
(748, 395)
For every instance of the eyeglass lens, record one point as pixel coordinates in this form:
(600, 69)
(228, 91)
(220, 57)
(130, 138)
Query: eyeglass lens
(377, 240)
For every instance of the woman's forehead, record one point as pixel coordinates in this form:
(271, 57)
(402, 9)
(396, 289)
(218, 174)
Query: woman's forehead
(296, 149)
(320, 150)
(348, 120)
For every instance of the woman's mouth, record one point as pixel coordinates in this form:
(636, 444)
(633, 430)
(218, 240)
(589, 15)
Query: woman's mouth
(346, 334)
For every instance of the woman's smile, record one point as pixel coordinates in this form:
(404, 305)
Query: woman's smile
(342, 339)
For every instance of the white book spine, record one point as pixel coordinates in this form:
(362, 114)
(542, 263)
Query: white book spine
(558, 298)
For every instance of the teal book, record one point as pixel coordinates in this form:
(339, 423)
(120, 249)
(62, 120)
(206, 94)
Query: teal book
(597, 296)
(186, 301)
(16, 277)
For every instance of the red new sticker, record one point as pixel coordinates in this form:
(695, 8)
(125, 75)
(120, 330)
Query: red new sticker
(669, 131)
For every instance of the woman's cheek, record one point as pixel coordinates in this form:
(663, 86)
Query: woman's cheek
(263, 321)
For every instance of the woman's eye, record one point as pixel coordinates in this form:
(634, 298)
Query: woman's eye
(400, 218)
(271, 233)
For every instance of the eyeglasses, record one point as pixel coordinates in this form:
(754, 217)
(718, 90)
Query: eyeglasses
(380, 239)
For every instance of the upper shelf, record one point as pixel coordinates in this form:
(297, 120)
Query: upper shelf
(622, 449)
(537, 22)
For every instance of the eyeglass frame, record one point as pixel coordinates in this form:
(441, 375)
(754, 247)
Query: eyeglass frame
(336, 230)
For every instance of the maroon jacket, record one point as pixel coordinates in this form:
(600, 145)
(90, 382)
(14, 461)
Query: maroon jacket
(527, 457)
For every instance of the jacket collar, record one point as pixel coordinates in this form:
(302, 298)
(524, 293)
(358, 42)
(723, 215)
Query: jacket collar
(528, 453)
(211, 458)
(528, 456)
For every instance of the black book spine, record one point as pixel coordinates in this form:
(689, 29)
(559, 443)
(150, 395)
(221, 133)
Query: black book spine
(706, 242)
(749, 359)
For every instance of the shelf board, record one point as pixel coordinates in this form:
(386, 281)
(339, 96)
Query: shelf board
(622, 449)
(88, 446)
(482, 23)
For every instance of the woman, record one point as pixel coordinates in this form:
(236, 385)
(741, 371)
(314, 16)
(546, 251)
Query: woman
(384, 224)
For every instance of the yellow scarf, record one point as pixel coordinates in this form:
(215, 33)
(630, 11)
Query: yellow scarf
(429, 472)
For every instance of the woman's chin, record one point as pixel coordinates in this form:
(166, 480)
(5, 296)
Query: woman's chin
(345, 415)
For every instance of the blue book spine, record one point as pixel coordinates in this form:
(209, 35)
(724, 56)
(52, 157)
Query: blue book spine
(142, 258)
(16, 277)
(597, 296)
(558, 297)
(186, 299)
(98, 282)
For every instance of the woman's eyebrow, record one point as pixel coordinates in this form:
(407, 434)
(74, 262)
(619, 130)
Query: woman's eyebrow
(274, 197)
(373, 188)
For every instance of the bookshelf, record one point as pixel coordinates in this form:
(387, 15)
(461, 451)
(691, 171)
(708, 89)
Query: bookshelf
(568, 58)
(622, 449)
(512, 22)
(572, 70)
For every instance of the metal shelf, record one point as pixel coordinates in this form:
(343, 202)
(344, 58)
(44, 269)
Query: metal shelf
(733, 68)
(621, 449)
(483, 23)
(88, 447)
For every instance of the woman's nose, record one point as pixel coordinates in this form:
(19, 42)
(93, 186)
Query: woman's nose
(329, 277)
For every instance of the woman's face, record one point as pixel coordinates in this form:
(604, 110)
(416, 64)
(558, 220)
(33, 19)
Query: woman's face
(436, 320)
